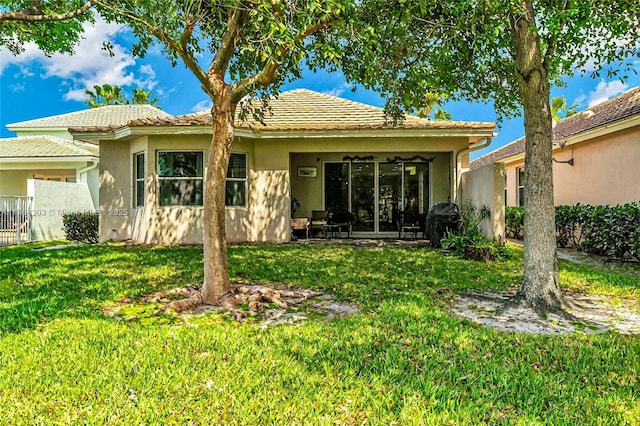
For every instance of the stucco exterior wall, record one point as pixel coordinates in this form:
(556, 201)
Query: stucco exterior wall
(115, 194)
(266, 217)
(485, 187)
(605, 171)
(51, 200)
(13, 181)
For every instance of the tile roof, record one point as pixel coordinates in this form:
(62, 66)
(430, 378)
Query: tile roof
(618, 108)
(44, 146)
(102, 116)
(303, 109)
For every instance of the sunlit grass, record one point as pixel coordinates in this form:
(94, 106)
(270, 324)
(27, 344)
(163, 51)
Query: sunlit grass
(403, 360)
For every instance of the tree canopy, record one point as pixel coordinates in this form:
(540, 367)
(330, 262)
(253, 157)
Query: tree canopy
(508, 52)
(466, 48)
(53, 25)
(236, 49)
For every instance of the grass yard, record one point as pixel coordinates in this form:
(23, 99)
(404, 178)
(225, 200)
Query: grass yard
(402, 360)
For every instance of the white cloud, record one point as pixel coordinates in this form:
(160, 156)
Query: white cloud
(202, 106)
(603, 91)
(337, 91)
(89, 65)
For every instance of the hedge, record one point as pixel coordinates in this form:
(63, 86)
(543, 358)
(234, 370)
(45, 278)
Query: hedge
(603, 230)
(81, 227)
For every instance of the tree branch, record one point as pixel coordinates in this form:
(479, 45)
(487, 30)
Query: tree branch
(181, 47)
(32, 18)
(270, 70)
(228, 43)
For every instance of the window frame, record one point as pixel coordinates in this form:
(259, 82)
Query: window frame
(243, 180)
(137, 179)
(520, 185)
(178, 178)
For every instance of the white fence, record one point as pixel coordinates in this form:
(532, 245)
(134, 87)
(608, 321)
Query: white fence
(15, 219)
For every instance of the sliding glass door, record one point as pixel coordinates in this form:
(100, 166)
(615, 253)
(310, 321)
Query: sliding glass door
(362, 196)
(374, 192)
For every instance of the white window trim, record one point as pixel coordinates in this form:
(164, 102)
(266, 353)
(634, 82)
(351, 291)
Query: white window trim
(244, 179)
(519, 186)
(136, 179)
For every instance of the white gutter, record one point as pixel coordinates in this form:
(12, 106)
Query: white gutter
(83, 171)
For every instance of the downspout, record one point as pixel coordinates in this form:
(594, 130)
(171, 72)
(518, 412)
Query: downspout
(481, 145)
(82, 171)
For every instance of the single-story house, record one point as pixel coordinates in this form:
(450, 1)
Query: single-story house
(325, 152)
(595, 154)
(44, 149)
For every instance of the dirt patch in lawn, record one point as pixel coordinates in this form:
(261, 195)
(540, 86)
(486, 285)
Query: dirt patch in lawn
(590, 314)
(294, 306)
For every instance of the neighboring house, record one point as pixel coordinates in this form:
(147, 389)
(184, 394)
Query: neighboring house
(46, 157)
(44, 169)
(328, 153)
(44, 148)
(595, 152)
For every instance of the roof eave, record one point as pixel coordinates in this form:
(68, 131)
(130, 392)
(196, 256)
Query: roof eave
(48, 159)
(475, 133)
(583, 136)
(602, 130)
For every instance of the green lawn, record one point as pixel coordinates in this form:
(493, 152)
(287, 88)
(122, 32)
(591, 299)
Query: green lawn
(403, 360)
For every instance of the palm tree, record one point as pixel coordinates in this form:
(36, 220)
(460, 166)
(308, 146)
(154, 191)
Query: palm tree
(105, 95)
(113, 95)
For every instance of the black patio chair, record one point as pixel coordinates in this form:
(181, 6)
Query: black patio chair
(338, 223)
(408, 224)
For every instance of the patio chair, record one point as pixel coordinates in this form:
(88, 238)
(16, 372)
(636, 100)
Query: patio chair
(338, 223)
(408, 224)
(318, 221)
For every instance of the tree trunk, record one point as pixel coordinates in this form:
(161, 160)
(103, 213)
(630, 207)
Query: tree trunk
(539, 288)
(216, 266)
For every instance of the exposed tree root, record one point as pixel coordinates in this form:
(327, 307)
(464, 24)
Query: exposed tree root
(519, 301)
(258, 298)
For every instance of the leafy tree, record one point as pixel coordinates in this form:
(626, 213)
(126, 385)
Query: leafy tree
(54, 25)
(113, 95)
(433, 105)
(249, 47)
(508, 52)
(559, 106)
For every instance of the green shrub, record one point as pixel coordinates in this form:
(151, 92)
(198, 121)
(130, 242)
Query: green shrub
(568, 225)
(603, 230)
(470, 238)
(610, 230)
(514, 221)
(81, 227)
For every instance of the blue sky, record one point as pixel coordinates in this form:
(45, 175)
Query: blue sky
(34, 86)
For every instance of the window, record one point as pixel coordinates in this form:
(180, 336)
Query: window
(139, 183)
(505, 189)
(521, 183)
(236, 186)
(180, 178)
